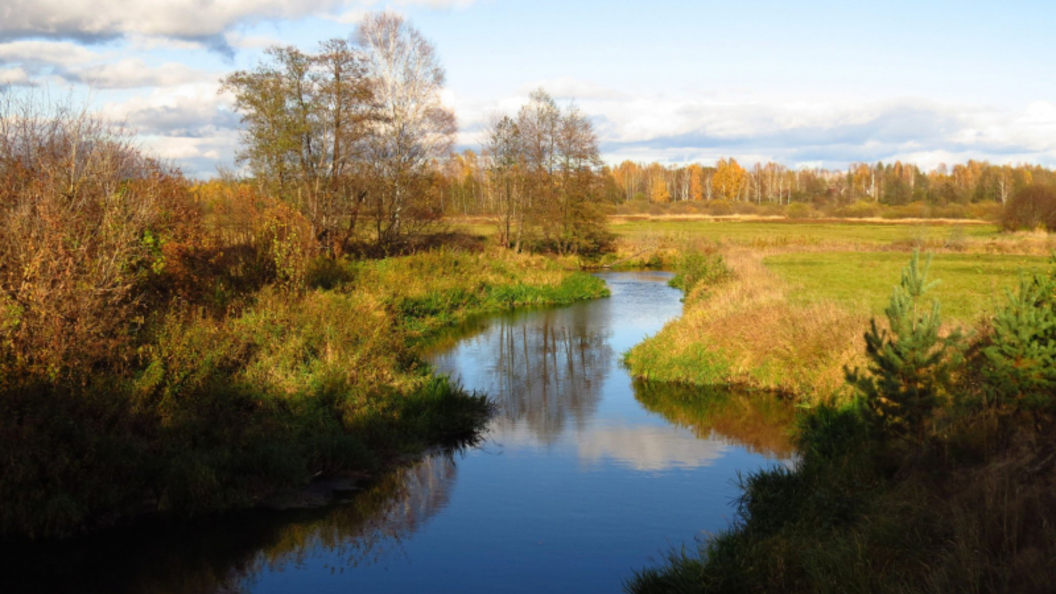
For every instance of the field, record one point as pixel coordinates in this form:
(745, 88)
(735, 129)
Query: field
(776, 232)
(970, 285)
(793, 311)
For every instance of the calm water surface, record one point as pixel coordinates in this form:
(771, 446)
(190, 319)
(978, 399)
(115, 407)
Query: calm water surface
(583, 476)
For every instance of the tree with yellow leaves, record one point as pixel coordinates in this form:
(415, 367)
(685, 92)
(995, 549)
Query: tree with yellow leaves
(696, 182)
(728, 179)
(658, 192)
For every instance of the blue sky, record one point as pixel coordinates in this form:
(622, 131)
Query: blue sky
(819, 83)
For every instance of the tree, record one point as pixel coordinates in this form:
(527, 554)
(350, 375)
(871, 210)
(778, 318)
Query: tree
(546, 168)
(909, 366)
(414, 129)
(305, 115)
(728, 179)
(577, 221)
(696, 183)
(658, 192)
(504, 147)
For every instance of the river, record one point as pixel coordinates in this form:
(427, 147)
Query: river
(582, 476)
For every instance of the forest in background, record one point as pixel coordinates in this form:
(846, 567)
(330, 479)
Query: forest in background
(976, 189)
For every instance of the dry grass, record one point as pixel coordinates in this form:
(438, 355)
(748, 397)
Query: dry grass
(746, 331)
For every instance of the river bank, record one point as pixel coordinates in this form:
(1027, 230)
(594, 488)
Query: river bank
(926, 450)
(581, 474)
(220, 409)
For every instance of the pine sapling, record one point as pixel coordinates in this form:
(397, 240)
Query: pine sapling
(910, 363)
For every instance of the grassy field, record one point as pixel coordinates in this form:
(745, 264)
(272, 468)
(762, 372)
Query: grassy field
(777, 232)
(792, 314)
(970, 285)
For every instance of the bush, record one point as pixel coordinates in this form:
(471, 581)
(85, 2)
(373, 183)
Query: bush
(799, 210)
(88, 225)
(1031, 208)
(699, 269)
(859, 210)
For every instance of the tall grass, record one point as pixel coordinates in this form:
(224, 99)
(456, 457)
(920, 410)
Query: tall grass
(745, 331)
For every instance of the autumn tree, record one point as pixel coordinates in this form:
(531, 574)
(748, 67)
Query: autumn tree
(728, 180)
(305, 117)
(658, 192)
(546, 168)
(696, 183)
(504, 147)
(413, 131)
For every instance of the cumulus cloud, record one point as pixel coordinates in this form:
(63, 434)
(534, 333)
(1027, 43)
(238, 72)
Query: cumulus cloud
(100, 70)
(828, 132)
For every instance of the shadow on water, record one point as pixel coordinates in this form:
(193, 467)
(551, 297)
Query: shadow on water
(225, 552)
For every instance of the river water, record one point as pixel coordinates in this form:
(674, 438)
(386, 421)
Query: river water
(582, 477)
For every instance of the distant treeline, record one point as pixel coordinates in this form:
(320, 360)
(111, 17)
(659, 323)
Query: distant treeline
(470, 186)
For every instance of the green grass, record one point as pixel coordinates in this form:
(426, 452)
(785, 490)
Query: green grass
(970, 284)
(800, 233)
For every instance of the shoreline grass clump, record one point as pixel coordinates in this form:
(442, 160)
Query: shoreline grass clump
(743, 330)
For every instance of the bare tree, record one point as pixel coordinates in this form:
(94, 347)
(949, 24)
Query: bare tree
(414, 130)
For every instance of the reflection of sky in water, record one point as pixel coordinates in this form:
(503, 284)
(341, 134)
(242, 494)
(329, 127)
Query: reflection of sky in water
(649, 447)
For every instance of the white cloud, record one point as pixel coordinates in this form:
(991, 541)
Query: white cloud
(13, 76)
(132, 73)
(58, 53)
(180, 19)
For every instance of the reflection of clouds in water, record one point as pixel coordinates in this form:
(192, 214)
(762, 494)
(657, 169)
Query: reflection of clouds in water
(649, 448)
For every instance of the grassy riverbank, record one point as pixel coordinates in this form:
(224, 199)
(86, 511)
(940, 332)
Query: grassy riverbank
(934, 473)
(216, 408)
(789, 315)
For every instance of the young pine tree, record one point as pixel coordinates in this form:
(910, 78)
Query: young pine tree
(1021, 359)
(909, 365)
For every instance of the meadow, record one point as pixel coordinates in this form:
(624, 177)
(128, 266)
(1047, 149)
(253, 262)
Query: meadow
(791, 313)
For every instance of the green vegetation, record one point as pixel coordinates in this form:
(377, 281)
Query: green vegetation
(971, 283)
(936, 476)
(763, 233)
(755, 420)
(217, 412)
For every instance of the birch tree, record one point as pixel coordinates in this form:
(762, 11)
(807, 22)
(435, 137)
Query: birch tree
(414, 129)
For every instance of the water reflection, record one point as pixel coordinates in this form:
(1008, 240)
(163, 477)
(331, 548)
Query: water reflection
(757, 421)
(649, 448)
(229, 553)
(544, 369)
(586, 475)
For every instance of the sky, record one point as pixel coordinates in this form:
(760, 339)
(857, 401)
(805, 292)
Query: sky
(808, 83)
